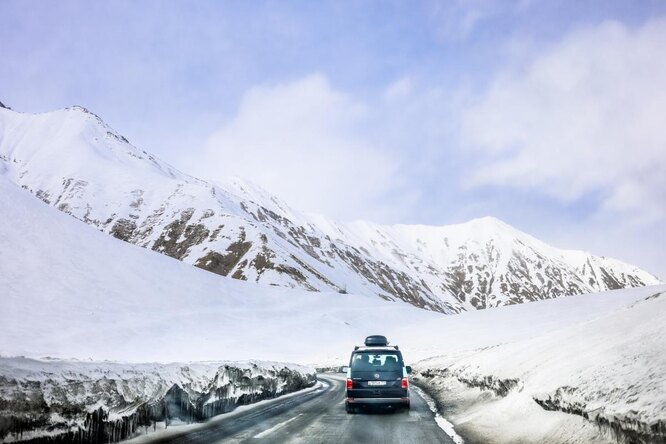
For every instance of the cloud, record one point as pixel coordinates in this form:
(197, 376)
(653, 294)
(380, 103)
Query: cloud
(399, 89)
(584, 118)
(458, 20)
(305, 142)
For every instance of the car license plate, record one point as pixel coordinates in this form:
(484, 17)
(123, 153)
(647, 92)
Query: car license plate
(373, 383)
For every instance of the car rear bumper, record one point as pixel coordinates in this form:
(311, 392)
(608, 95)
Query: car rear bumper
(375, 401)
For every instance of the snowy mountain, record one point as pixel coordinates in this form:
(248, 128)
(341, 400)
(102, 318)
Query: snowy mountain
(73, 161)
(69, 290)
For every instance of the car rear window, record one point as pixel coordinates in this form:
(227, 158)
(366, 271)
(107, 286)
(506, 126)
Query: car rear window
(376, 361)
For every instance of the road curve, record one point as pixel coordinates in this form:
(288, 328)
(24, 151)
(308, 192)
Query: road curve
(317, 416)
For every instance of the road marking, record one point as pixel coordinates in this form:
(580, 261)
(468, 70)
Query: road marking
(276, 427)
(439, 419)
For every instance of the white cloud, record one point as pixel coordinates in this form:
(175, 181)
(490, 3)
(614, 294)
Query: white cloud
(585, 117)
(399, 89)
(457, 20)
(304, 141)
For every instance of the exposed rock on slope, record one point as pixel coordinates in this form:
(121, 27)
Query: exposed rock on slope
(73, 161)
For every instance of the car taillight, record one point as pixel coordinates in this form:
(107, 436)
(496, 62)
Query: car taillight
(404, 384)
(349, 384)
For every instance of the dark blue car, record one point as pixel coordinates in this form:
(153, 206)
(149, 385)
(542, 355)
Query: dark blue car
(377, 376)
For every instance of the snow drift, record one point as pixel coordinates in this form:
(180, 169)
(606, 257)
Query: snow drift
(77, 401)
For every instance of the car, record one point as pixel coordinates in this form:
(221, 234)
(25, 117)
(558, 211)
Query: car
(377, 376)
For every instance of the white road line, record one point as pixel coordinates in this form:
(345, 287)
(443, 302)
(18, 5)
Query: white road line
(439, 419)
(276, 427)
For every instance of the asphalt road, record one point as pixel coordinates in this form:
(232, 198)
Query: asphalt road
(315, 417)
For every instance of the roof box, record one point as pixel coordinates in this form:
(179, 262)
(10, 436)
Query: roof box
(376, 340)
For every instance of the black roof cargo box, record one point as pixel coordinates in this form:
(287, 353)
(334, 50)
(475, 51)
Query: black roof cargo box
(376, 340)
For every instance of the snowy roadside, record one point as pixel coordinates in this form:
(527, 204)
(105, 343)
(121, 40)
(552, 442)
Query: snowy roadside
(439, 419)
(602, 380)
(178, 429)
(108, 401)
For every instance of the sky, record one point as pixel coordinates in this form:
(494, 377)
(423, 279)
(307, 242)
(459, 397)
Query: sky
(550, 115)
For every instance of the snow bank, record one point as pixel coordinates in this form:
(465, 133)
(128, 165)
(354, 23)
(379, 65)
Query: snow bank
(106, 401)
(610, 370)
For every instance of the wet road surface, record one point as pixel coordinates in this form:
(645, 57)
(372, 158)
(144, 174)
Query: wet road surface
(316, 416)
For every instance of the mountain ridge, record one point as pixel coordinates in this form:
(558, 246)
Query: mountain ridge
(76, 163)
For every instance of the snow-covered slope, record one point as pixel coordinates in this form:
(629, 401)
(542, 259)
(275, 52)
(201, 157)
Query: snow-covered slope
(69, 290)
(610, 370)
(73, 161)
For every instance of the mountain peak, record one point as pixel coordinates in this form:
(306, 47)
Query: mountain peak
(83, 110)
(488, 220)
(80, 146)
(78, 108)
(491, 225)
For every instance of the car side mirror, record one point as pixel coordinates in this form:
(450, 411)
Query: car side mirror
(409, 369)
(345, 369)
